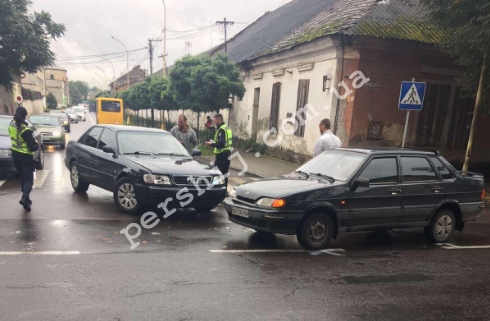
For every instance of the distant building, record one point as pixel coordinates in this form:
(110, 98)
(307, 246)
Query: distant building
(135, 75)
(57, 84)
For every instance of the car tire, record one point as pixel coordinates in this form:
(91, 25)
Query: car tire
(40, 160)
(125, 196)
(315, 232)
(442, 227)
(79, 185)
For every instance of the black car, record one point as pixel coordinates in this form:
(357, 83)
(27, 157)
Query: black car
(64, 119)
(142, 167)
(348, 190)
(6, 162)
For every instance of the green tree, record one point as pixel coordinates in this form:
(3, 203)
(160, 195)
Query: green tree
(51, 101)
(78, 90)
(204, 84)
(468, 22)
(24, 40)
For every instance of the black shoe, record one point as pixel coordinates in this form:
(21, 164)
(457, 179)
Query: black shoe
(26, 203)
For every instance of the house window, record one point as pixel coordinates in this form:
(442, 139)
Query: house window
(276, 101)
(51, 77)
(303, 89)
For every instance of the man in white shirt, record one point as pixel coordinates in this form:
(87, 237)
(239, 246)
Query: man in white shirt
(327, 139)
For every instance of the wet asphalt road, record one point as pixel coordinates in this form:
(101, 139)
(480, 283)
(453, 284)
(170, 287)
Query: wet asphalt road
(200, 266)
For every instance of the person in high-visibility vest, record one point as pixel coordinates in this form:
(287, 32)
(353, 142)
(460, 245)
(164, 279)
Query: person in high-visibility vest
(222, 145)
(23, 147)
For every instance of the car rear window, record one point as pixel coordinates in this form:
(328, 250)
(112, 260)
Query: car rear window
(443, 170)
(417, 169)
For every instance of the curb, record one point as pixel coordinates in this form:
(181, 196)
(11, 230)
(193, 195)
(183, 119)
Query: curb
(206, 161)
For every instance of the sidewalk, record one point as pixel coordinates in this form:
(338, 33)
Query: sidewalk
(263, 166)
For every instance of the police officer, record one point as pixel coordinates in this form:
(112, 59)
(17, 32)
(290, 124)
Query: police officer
(23, 147)
(222, 145)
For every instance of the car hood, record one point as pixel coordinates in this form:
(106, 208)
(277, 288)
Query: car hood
(281, 186)
(5, 142)
(48, 129)
(172, 165)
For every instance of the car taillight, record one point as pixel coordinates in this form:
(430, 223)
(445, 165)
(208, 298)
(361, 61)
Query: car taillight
(482, 194)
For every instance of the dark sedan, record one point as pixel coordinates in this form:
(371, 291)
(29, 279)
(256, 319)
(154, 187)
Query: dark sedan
(6, 162)
(142, 167)
(64, 119)
(349, 190)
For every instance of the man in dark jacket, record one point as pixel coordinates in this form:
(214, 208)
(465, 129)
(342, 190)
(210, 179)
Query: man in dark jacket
(23, 147)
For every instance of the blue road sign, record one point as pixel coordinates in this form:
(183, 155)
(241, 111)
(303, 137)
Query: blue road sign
(412, 95)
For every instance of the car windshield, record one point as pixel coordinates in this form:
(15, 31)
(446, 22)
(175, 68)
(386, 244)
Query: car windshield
(55, 112)
(154, 143)
(4, 126)
(44, 120)
(70, 112)
(62, 115)
(78, 109)
(338, 164)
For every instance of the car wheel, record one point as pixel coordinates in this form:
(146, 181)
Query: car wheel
(79, 185)
(316, 232)
(125, 196)
(40, 160)
(441, 227)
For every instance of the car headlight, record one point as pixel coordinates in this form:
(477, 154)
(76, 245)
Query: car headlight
(232, 194)
(218, 180)
(271, 202)
(5, 152)
(157, 179)
(56, 133)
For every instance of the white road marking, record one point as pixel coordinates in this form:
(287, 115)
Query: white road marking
(40, 253)
(1, 183)
(237, 180)
(90, 117)
(474, 247)
(40, 178)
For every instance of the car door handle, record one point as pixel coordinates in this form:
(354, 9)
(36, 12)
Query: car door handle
(395, 191)
(438, 189)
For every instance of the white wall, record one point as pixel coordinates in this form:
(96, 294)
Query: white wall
(323, 53)
(34, 106)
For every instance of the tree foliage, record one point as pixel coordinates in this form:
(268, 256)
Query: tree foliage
(24, 40)
(204, 83)
(78, 90)
(51, 101)
(468, 22)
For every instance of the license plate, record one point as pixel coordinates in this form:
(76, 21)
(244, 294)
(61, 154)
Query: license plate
(46, 138)
(239, 212)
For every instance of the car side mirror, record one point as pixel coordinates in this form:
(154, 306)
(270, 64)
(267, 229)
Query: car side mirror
(109, 149)
(196, 152)
(362, 182)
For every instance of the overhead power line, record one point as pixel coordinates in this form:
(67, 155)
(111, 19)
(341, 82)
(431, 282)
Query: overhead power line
(98, 55)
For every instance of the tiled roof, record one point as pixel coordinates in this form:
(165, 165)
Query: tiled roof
(391, 19)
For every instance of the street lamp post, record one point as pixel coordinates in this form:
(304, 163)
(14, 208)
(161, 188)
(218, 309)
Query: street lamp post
(113, 76)
(101, 80)
(127, 63)
(165, 41)
(97, 83)
(105, 76)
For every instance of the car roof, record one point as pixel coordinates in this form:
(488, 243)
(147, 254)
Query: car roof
(6, 116)
(393, 150)
(118, 128)
(45, 114)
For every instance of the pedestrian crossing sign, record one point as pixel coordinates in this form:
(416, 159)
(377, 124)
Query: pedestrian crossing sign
(412, 95)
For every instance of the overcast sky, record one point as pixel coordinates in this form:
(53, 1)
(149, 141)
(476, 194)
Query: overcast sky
(91, 23)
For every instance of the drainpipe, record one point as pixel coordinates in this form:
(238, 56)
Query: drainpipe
(335, 126)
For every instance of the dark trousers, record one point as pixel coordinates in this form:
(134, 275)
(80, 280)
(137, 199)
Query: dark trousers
(25, 167)
(223, 163)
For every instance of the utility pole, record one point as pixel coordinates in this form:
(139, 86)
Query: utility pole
(225, 25)
(151, 56)
(188, 46)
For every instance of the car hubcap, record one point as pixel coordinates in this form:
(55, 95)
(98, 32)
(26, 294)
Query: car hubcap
(318, 232)
(444, 226)
(127, 196)
(74, 176)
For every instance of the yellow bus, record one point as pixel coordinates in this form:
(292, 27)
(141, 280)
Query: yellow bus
(110, 111)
